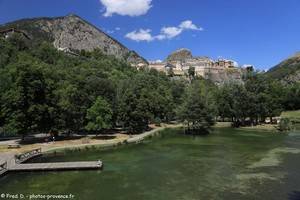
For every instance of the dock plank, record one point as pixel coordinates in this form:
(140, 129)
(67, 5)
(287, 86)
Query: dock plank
(15, 163)
(2, 172)
(57, 166)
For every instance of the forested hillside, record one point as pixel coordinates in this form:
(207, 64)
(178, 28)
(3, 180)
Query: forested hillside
(43, 90)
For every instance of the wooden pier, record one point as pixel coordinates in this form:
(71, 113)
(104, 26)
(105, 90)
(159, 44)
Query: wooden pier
(16, 164)
(3, 168)
(57, 166)
(21, 158)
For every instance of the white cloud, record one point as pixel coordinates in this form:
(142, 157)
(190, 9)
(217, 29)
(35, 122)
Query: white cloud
(126, 7)
(117, 28)
(171, 32)
(188, 24)
(160, 37)
(140, 35)
(165, 32)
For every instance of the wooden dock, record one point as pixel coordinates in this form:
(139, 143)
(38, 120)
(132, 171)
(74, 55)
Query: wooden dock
(16, 164)
(21, 158)
(57, 166)
(3, 168)
(2, 172)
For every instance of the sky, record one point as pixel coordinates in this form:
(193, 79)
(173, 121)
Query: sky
(257, 32)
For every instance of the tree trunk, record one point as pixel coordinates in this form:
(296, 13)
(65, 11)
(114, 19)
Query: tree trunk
(271, 120)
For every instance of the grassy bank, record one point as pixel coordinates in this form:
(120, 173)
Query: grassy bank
(294, 116)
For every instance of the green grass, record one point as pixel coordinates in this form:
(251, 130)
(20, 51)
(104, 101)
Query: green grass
(294, 116)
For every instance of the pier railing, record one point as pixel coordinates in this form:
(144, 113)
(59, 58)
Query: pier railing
(20, 158)
(3, 166)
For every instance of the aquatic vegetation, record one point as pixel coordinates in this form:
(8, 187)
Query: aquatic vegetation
(273, 157)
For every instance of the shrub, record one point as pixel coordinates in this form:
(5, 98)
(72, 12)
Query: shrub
(285, 124)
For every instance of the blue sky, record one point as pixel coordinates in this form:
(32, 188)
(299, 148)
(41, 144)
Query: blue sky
(258, 32)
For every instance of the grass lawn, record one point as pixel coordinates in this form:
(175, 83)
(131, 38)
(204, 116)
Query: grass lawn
(294, 116)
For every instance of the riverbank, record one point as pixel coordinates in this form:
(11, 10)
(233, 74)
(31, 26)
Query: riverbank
(87, 142)
(261, 127)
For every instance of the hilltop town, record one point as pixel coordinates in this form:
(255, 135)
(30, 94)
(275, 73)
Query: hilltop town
(181, 63)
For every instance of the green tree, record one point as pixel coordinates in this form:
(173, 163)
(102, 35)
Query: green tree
(198, 109)
(224, 101)
(285, 124)
(191, 72)
(99, 116)
(291, 97)
(134, 107)
(24, 104)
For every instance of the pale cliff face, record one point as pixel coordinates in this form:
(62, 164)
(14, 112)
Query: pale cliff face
(73, 33)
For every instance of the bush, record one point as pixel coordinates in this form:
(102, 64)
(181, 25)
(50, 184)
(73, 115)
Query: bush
(157, 121)
(285, 124)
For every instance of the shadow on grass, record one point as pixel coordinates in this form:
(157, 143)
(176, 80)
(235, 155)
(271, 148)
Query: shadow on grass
(104, 137)
(34, 140)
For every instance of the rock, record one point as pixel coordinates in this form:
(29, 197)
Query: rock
(180, 55)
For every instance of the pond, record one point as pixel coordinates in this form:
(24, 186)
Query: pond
(227, 164)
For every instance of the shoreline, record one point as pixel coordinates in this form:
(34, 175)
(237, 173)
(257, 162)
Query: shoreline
(121, 139)
(130, 140)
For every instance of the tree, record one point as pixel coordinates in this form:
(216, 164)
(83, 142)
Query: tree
(198, 109)
(224, 100)
(291, 97)
(19, 41)
(71, 107)
(285, 124)
(24, 104)
(191, 72)
(134, 107)
(99, 116)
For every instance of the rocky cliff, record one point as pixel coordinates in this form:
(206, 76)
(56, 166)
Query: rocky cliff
(73, 33)
(180, 55)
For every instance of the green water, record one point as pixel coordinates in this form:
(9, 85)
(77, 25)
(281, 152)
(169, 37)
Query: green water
(228, 164)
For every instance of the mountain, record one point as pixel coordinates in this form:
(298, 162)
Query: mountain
(288, 70)
(72, 33)
(180, 55)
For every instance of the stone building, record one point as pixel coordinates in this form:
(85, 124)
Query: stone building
(224, 63)
(179, 63)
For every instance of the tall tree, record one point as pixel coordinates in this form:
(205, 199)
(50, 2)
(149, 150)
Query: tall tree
(198, 109)
(24, 104)
(99, 115)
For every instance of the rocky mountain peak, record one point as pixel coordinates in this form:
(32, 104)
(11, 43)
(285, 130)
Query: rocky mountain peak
(74, 33)
(180, 55)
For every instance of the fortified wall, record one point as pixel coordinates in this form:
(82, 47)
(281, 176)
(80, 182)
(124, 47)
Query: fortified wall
(219, 71)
